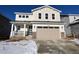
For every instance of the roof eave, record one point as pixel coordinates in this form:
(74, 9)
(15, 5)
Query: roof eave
(21, 13)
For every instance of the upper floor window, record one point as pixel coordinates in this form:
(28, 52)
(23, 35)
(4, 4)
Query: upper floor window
(53, 16)
(23, 16)
(46, 16)
(27, 16)
(19, 16)
(39, 15)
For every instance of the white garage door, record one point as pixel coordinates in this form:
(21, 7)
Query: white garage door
(47, 33)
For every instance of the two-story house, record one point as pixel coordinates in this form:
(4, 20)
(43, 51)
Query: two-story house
(43, 23)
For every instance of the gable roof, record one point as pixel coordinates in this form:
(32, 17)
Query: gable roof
(46, 6)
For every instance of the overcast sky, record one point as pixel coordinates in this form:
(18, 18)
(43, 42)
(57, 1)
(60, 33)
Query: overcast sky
(8, 10)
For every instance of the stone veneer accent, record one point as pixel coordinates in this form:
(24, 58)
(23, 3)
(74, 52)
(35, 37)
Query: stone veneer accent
(62, 35)
(34, 35)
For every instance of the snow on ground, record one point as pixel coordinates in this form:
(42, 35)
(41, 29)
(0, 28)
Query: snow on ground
(18, 47)
(76, 41)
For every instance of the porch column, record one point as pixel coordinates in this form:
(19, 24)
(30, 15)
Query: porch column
(24, 30)
(14, 29)
(12, 32)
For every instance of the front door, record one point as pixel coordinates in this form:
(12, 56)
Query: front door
(29, 32)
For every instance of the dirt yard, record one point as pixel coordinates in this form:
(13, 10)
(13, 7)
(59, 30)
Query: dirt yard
(57, 47)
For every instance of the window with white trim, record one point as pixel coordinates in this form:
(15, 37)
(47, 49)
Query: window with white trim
(39, 15)
(53, 16)
(27, 16)
(19, 16)
(46, 16)
(23, 16)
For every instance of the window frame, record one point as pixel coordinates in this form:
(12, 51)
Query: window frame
(27, 16)
(23, 16)
(39, 15)
(39, 27)
(20, 16)
(53, 16)
(46, 15)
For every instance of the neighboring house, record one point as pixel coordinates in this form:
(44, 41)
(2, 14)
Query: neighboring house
(73, 17)
(74, 24)
(5, 27)
(66, 20)
(43, 23)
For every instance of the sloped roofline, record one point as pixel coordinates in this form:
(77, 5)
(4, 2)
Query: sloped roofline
(38, 8)
(22, 13)
(45, 7)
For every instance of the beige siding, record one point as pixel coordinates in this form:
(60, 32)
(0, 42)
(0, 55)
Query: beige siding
(49, 11)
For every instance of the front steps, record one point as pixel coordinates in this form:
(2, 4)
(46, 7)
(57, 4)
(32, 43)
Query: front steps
(18, 37)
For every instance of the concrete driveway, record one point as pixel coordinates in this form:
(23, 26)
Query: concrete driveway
(57, 47)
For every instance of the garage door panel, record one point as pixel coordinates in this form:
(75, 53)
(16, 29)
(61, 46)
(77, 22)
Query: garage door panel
(54, 34)
(47, 33)
(42, 34)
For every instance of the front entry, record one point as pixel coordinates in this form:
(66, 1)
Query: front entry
(29, 31)
(21, 30)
